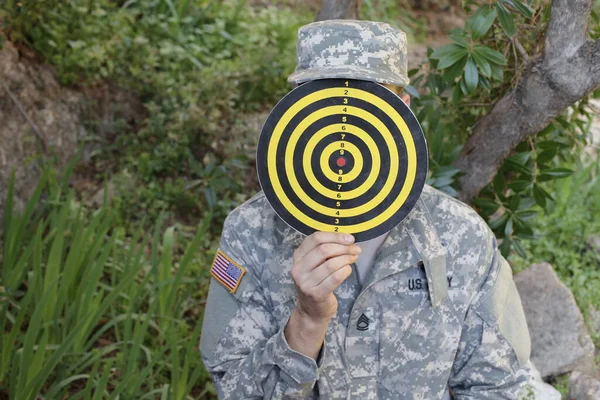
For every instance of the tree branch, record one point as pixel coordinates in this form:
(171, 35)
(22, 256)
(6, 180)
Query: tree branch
(596, 59)
(568, 70)
(36, 130)
(339, 9)
(567, 29)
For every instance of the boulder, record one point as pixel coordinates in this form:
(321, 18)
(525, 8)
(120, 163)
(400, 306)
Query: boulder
(583, 386)
(560, 342)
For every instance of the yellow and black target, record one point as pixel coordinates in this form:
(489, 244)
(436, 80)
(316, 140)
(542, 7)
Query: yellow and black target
(342, 156)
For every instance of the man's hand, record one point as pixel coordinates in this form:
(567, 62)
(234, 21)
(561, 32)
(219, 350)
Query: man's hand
(321, 264)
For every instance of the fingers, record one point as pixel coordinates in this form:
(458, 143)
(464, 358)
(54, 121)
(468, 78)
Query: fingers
(319, 238)
(322, 263)
(320, 273)
(329, 284)
(322, 253)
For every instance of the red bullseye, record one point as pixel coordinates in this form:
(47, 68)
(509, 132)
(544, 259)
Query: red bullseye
(341, 161)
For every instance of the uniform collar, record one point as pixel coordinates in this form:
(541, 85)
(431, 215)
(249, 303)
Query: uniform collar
(396, 253)
(421, 229)
(418, 228)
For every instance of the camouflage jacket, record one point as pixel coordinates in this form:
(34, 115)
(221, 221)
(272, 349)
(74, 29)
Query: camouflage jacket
(439, 309)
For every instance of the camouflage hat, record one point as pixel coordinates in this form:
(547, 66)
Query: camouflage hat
(366, 50)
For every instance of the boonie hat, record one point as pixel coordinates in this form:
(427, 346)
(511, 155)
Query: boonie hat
(366, 50)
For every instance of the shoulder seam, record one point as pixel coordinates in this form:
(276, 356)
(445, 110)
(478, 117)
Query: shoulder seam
(258, 196)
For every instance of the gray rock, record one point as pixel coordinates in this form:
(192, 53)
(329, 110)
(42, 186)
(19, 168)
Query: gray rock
(97, 199)
(538, 389)
(560, 342)
(594, 242)
(583, 387)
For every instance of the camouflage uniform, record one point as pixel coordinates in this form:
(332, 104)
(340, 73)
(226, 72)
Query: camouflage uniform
(438, 308)
(441, 306)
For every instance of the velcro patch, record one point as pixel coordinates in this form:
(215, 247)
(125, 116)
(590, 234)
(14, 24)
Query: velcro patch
(226, 271)
(501, 307)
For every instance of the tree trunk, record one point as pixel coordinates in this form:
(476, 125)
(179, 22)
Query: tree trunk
(567, 71)
(339, 9)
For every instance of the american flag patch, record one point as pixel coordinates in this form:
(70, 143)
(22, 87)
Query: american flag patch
(227, 271)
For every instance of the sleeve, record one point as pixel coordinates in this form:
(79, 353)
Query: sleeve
(494, 348)
(242, 347)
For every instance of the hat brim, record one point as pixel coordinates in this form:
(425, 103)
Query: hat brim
(380, 75)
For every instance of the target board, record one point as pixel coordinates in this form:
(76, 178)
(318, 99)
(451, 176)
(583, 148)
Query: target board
(342, 155)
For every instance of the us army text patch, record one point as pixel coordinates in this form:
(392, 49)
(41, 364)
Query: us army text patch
(417, 280)
(226, 271)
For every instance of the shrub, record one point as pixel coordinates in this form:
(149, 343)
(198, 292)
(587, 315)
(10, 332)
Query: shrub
(87, 312)
(198, 65)
(562, 236)
(459, 82)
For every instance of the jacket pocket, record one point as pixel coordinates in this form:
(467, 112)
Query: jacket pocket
(362, 343)
(402, 330)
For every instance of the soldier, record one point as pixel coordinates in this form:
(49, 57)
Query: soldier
(426, 310)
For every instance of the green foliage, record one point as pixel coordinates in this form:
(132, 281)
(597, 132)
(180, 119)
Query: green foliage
(561, 236)
(162, 48)
(524, 182)
(88, 313)
(199, 65)
(561, 384)
(400, 13)
(483, 62)
(19, 17)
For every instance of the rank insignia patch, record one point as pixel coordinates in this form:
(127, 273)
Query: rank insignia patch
(227, 271)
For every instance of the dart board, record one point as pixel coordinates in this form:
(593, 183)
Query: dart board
(342, 155)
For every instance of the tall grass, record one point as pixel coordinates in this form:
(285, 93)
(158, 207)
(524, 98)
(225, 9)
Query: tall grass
(86, 313)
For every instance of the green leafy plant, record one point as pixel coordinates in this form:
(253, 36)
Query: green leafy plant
(90, 313)
(562, 235)
(484, 60)
(199, 67)
(402, 14)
